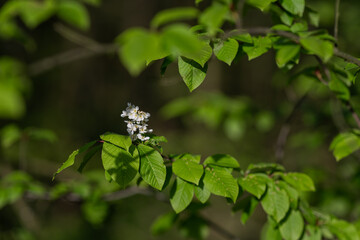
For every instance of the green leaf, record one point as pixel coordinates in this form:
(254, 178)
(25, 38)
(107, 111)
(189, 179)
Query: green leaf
(202, 193)
(181, 195)
(71, 159)
(293, 226)
(121, 165)
(214, 16)
(33, 12)
(152, 168)
(343, 230)
(188, 170)
(222, 160)
(260, 46)
(244, 37)
(324, 49)
(275, 202)
(226, 50)
(285, 54)
(254, 183)
(10, 134)
(220, 182)
(194, 227)
(295, 7)
(12, 104)
(121, 141)
(137, 46)
(339, 87)
(191, 72)
(291, 192)
(345, 144)
(87, 157)
(174, 14)
(311, 233)
(163, 223)
(271, 231)
(261, 4)
(265, 168)
(203, 56)
(74, 13)
(178, 40)
(95, 211)
(300, 181)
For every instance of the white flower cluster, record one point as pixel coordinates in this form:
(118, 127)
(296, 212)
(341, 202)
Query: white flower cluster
(136, 125)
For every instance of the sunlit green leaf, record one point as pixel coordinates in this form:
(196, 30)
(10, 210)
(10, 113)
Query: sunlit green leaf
(222, 160)
(275, 202)
(255, 183)
(191, 72)
(74, 13)
(181, 195)
(174, 14)
(260, 46)
(226, 50)
(292, 227)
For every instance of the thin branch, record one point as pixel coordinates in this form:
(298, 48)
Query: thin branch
(336, 23)
(353, 114)
(129, 192)
(285, 130)
(239, 14)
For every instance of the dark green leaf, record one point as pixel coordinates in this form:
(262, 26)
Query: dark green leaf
(247, 205)
(87, 157)
(339, 87)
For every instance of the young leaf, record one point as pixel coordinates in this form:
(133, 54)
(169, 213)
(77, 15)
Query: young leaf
(300, 181)
(254, 183)
(285, 54)
(174, 14)
(220, 182)
(295, 7)
(121, 141)
(344, 144)
(202, 193)
(222, 160)
(71, 159)
(291, 192)
(120, 164)
(324, 49)
(226, 50)
(275, 202)
(260, 46)
(181, 195)
(152, 168)
(137, 46)
(214, 16)
(74, 13)
(293, 226)
(178, 40)
(163, 223)
(261, 4)
(191, 72)
(188, 170)
(203, 55)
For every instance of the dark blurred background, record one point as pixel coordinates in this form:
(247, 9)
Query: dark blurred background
(82, 99)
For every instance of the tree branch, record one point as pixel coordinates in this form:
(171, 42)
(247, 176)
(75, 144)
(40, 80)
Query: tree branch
(336, 23)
